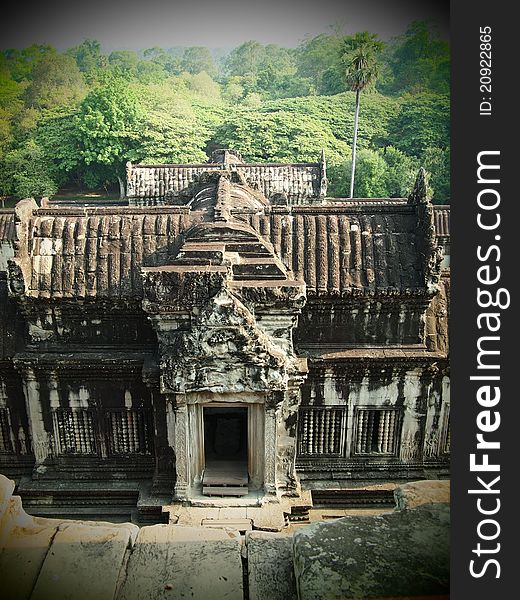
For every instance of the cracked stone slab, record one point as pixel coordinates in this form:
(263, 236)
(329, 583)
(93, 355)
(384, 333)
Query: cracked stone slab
(22, 557)
(269, 517)
(403, 553)
(175, 562)
(270, 566)
(83, 562)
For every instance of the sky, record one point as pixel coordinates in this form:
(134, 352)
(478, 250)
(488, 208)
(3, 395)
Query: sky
(136, 25)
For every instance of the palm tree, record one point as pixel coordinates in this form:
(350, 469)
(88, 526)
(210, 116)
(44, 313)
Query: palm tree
(361, 71)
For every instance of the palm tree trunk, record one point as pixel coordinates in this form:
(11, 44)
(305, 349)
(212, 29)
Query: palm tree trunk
(354, 143)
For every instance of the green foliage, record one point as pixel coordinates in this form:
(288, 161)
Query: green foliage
(150, 72)
(109, 125)
(55, 80)
(58, 138)
(202, 84)
(278, 136)
(126, 60)
(437, 162)
(198, 59)
(267, 70)
(20, 63)
(419, 61)
(77, 117)
(26, 173)
(360, 60)
(400, 173)
(422, 122)
(178, 125)
(88, 56)
(337, 113)
(384, 173)
(319, 60)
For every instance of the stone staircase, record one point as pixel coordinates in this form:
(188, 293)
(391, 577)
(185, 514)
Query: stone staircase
(251, 258)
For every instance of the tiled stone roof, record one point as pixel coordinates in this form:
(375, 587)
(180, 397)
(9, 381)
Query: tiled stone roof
(7, 229)
(151, 184)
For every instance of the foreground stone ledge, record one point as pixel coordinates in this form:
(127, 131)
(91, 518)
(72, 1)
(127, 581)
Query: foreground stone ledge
(399, 554)
(270, 566)
(402, 555)
(194, 563)
(416, 493)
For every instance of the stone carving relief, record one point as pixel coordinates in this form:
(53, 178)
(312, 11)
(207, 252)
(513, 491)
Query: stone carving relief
(223, 350)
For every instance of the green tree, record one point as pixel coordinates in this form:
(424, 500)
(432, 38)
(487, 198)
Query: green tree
(361, 70)
(21, 62)
(110, 124)
(168, 61)
(245, 59)
(419, 61)
(422, 122)
(57, 136)
(178, 122)
(437, 162)
(55, 80)
(26, 172)
(278, 136)
(126, 60)
(401, 171)
(88, 56)
(197, 59)
(318, 58)
(150, 72)
(202, 84)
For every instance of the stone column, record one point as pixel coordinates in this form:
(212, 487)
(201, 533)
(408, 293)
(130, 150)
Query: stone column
(164, 462)
(182, 482)
(270, 451)
(39, 436)
(287, 482)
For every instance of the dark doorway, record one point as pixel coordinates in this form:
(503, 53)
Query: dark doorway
(225, 434)
(225, 451)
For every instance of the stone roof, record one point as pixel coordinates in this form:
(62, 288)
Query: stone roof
(153, 184)
(442, 221)
(341, 248)
(98, 252)
(349, 248)
(441, 214)
(7, 229)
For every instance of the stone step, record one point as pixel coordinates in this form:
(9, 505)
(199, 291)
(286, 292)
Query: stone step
(253, 270)
(215, 490)
(242, 525)
(248, 248)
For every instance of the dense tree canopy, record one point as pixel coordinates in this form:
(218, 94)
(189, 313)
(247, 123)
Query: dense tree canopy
(73, 119)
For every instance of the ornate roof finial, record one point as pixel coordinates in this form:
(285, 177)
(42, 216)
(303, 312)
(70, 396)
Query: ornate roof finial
(421, 193)
(323, 175)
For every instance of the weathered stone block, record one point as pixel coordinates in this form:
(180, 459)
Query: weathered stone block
(396, 554)
(83, 562)
(416, 493)
(270, 566)
(169, 561)
(22, 557)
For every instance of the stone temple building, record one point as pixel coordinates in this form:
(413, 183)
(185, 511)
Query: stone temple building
(229, 331)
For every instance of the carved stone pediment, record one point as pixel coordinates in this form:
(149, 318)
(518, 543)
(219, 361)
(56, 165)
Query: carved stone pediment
(224, 350)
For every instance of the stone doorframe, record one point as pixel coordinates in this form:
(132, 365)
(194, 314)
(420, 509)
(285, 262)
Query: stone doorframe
(186, 416)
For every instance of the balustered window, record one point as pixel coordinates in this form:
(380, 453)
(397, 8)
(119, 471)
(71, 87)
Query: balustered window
(74, 431)
(376, 431)
(129, 431)
(321, 431)
(6, 443)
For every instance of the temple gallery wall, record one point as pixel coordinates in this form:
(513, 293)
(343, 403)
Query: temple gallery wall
(231, 321)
